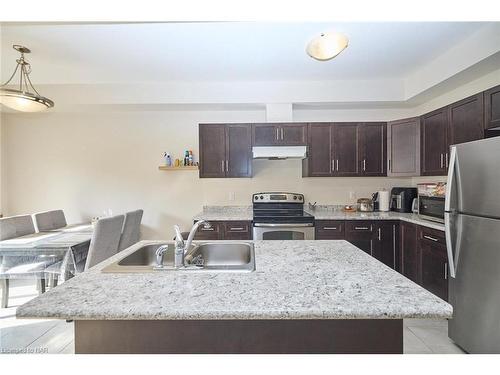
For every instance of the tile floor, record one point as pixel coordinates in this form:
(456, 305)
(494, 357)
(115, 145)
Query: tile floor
(421, 336)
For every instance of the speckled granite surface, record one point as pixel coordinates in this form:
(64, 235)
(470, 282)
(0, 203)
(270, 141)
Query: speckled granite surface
(321, 212)
(293, 280)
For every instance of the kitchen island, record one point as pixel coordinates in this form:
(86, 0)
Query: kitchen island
(303, 297)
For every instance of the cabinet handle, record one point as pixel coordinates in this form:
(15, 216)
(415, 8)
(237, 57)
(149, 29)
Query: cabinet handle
(227, 165)
(394, 245)
(379, 234)
(337, 164)
(332, 165)
(371, 247)
(441, 162)
(446, 271)
(277, 133)
(329, 228)
(361, 228)
(222, 165)
(446, 159)
(431, 238)
(281, 133)
(389, 167)
(236, 228)
(364, 164)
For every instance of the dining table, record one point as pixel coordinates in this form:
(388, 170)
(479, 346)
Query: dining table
(68, 245)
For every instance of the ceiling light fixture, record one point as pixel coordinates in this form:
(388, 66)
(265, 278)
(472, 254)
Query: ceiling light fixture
(26, 99)
(326, 46)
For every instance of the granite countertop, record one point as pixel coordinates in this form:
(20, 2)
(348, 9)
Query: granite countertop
(293, 280)
(321, 212)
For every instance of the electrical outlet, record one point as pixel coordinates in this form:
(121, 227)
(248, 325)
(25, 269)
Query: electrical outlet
(232, 195)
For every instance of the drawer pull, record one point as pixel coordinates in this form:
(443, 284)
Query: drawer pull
(236, 228)
(361, 228)
(207, 229)
(431, 238)
(330, 228)
(446, 271)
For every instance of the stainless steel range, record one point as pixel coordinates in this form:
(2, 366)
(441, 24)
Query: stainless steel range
(281, 216)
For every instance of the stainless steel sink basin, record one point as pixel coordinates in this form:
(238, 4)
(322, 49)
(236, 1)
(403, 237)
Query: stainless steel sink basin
(202, 257)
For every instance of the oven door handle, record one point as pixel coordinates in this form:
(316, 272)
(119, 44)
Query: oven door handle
(287, 225)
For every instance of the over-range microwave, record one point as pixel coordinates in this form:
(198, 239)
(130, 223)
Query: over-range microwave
(431, 201)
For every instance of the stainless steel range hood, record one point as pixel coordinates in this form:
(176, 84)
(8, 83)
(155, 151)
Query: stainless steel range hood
(279, 152)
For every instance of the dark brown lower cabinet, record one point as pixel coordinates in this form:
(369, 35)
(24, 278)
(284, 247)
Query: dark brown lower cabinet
(225, 230)
(434, 261)
(409, 258)
(360, 234)
(385, 243)
(329, 229)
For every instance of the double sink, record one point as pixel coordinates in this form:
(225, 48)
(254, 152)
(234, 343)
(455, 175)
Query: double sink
(201, 257)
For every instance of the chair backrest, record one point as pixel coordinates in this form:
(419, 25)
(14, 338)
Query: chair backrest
(49, 220)
(105, 240)
(16, 226)
(131, 229)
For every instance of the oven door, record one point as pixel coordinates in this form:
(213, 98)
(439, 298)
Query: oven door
(283, 231)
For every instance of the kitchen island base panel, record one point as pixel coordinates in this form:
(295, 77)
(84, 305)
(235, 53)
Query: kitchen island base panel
(351, 336)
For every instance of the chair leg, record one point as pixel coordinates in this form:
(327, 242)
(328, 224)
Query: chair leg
(41, 285)
(4, 283)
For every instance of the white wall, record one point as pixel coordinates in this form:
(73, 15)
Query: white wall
(86, 163)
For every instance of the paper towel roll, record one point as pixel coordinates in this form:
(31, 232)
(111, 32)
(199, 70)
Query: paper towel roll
(383, 200)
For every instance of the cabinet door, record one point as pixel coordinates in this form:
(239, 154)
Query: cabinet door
(434, 142)
(492, 108)
(360, 234)
(409, 251)
(237, 230)
(329, 229)
(434, 268)
(212, 150)
(466, 120)
(403, 147)
(373, 149)
(320, 159)
(345, 149)
(385, 243)
(293, 134)
(265, 134)
(214, 232)
(238, 150)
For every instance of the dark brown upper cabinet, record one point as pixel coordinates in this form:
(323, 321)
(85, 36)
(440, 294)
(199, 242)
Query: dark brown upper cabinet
(319, 162)
(466, 120)
(434, 150)
(492, 108)
(279, 134)
(372, 148)
(225, 150)
(403, 147)
(345, 144)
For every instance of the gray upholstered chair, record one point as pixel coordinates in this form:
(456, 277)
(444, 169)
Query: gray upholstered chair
(105, 240)
(131, 229)
(49, 220)
(19, 267)
(103, 244)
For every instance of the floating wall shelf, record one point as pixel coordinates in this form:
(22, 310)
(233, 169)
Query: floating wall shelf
(184, 168)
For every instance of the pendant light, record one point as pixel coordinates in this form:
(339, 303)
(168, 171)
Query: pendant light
(326, 46)
(26, 98)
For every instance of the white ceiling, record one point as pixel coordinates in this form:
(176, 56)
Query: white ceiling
(175, 52)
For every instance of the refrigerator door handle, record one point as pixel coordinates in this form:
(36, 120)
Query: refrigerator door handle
(451, 179)
(449, 246)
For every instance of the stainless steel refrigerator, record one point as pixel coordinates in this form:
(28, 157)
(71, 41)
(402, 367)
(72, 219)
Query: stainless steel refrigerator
(472, 222)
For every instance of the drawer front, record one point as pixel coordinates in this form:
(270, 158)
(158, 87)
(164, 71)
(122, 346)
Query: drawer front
(212, 233)
(329, 229)
(359, 226)
(237, 230)
(431, 236)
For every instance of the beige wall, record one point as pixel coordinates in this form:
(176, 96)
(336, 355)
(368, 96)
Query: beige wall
(87, 163)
